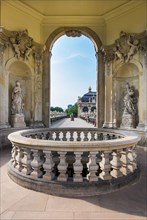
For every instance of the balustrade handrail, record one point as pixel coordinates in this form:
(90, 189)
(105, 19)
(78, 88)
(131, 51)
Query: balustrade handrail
(125, 140)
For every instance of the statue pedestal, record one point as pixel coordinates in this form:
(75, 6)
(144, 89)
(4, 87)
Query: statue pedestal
(128, 121)
(17, 121)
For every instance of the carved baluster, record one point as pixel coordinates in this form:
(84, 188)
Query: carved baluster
(64, 136)
(57, 135)
(71, 136)
(19, 158)
(116, 164)
(92, 135)
(105, 166)
(37, 163)
(48, 166)
(100, 136)
(125, 162)
(50, 135)
(78, 135)
(14, 154)
(43, 137)
(85, 136)
(93, 167)
(113, 136)
(26, 161)
(47, 136)
(104, 136)
(36, 136)
(78, 167)
(62, 167)
(132, 159)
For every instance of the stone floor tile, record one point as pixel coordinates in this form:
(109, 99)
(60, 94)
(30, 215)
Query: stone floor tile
(105, 216)
(66, 204)
(43, 216)
(7, 215)
(10, 194)
(34, 201)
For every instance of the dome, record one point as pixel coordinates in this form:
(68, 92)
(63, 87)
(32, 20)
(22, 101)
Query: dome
(88, 96)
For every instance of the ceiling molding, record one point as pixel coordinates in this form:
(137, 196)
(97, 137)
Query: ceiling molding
(24, 8)
(98, 20)
(123, 9)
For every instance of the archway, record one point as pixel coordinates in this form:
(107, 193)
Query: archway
(100, 89)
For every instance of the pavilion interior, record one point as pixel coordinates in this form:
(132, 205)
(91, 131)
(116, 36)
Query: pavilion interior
(28, 31)
(40, 23)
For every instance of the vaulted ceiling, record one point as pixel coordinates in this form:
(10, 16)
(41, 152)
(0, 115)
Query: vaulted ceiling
(74, 7)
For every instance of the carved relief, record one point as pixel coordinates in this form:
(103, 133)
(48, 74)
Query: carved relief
(125, 47)
(22, 44)
(1, 55)
(73, 33)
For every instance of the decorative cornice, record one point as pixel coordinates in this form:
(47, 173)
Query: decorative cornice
(123, 9)
(95, 20)
(99, 20)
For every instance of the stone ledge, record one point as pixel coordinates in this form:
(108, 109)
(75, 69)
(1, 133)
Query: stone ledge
(72, 189)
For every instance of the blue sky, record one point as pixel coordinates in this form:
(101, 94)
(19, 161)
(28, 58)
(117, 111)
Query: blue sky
(73, 69)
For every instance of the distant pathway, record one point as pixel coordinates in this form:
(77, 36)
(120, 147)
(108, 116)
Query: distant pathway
(66, 122)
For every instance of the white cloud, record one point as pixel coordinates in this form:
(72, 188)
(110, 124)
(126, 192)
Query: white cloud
(67, 58)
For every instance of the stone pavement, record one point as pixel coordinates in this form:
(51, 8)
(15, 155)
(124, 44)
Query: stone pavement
(66, 122)
(17, 202)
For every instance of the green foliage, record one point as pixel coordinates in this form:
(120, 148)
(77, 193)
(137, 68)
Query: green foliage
(73, 110)
(57, 109)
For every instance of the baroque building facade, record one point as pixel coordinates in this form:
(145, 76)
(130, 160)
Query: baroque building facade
(120, 40)
(87, 103)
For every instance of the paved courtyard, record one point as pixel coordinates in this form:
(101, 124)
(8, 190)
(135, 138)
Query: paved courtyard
(17, 202)
(68, 123)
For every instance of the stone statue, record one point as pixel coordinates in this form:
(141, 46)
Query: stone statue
(130, 110)
(130, 101)
(133, 48)
(17, 105)
(15, 47)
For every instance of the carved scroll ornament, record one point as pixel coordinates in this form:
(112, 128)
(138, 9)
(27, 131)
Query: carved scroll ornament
(125, 47)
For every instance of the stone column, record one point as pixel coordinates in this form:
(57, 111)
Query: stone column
(142, 101)
(3, 91)
(37, 94)
(46, 88)
(100, 90)
(109, 121)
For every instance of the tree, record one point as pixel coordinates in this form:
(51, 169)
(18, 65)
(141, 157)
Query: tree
(57, 109)
(73, 110)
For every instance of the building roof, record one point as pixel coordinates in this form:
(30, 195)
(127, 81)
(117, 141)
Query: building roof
(88, 96)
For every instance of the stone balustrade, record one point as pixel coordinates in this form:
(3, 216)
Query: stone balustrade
(54, 115)
(64, 161)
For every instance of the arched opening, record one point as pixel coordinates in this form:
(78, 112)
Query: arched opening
(93, 109)
(100, 91)
(85, 109)
(73, 70)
